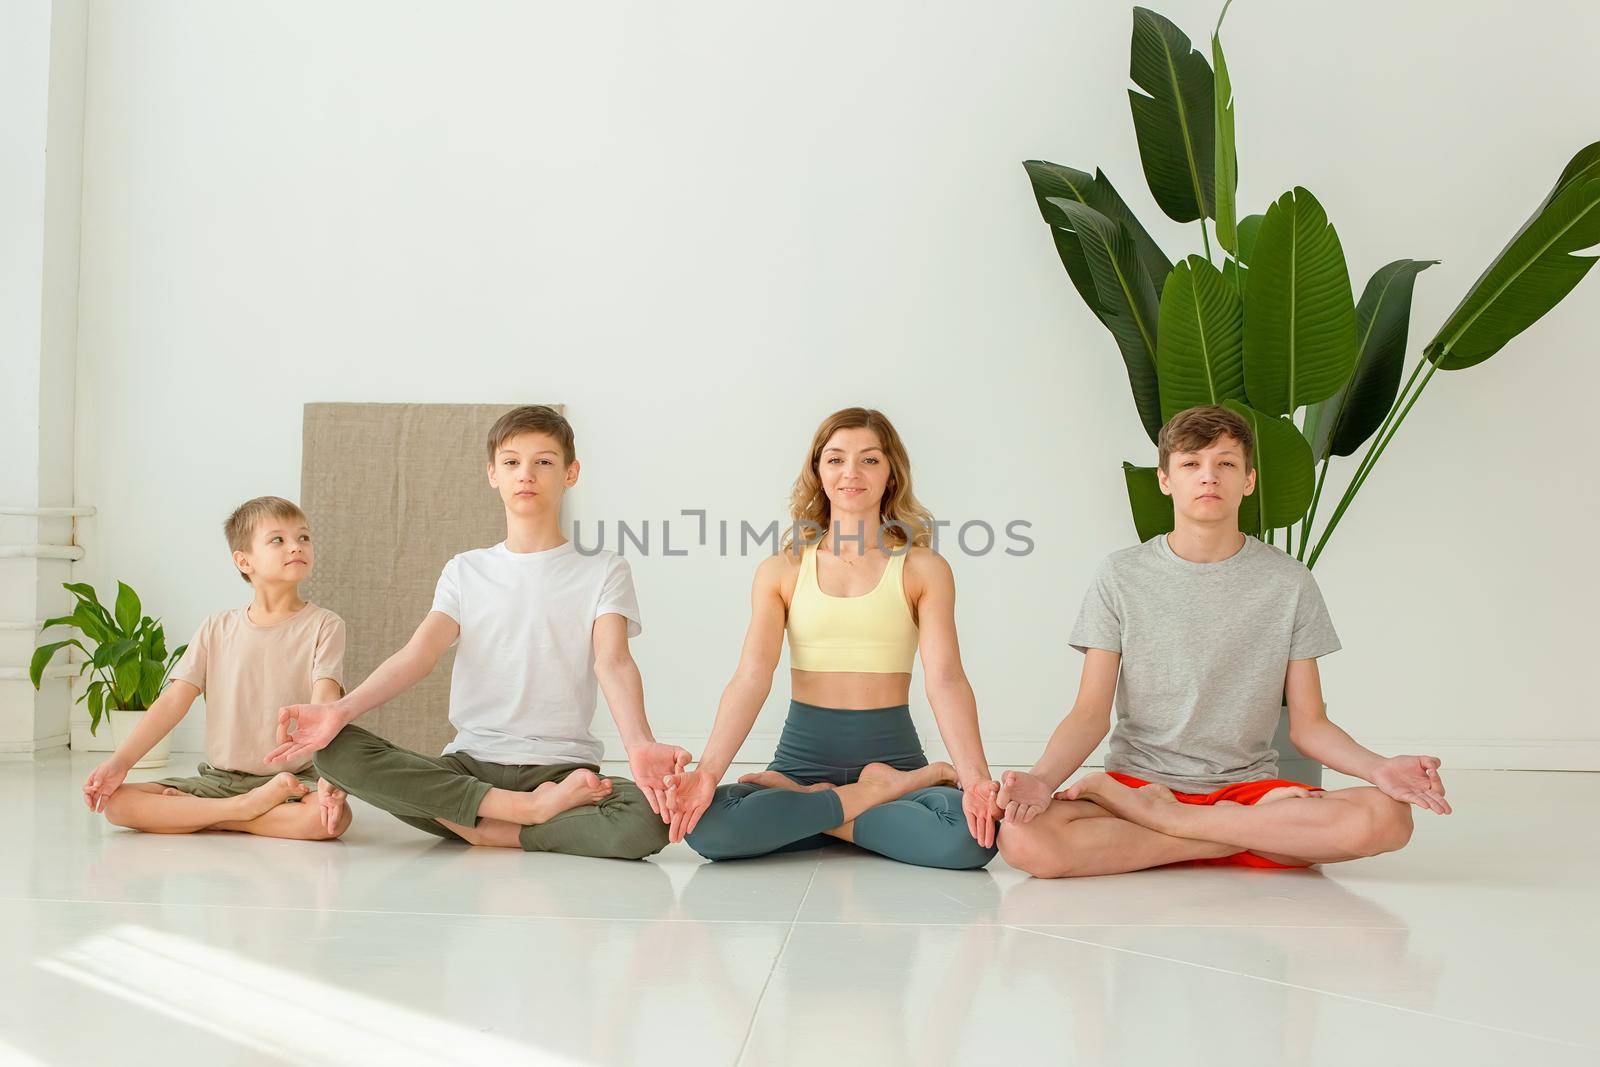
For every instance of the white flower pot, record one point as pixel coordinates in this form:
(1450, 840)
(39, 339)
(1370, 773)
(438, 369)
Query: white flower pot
(122, 724)
(1292, 763)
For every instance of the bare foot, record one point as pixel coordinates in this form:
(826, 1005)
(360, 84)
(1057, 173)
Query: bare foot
(777, 780)
(171, 792)
(895, 784)
(263, 798)
(1286, 792)
(578, 789)
(1146, 806)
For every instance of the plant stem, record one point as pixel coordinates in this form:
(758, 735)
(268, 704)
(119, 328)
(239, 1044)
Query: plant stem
(1373, 454)
(1205, 238)
(1288, 540)
(1366, 459)
(1222, 16)
(1305, 524)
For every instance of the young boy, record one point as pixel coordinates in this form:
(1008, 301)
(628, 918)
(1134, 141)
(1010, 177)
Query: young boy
(248, 662)
(1210, 628)
(537, 622)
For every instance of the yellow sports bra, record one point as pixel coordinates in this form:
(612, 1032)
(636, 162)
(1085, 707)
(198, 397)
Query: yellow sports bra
(873, 633)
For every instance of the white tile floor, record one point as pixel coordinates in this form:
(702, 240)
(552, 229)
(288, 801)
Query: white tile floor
(1476, 945)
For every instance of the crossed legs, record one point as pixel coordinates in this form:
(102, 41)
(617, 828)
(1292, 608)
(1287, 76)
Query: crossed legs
(911, 815)
(264, 810)
(1109, 828)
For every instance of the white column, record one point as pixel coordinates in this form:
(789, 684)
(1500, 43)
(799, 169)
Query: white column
(42, 70)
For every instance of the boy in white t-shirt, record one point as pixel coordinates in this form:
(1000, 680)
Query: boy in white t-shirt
(247, 661)
(538, 623)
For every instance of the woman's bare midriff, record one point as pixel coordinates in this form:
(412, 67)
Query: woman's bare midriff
(852, 690)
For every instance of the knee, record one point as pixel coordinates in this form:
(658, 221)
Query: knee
(116, 810)
(716, 836)
(311, 826)
(959, 851)
(637, 831)
(711, 840)
(642, 836)
(1024, 847)
(945, 841)
(345, 818)
(1037, 849)
(335, 760)
(1385, 826)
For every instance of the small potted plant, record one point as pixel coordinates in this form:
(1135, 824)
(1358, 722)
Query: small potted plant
(129, 661)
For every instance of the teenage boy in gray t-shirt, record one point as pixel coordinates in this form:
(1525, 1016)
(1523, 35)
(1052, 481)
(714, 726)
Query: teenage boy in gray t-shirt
(1210, 629)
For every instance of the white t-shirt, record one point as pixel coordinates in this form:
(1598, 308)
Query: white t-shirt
(523, 688)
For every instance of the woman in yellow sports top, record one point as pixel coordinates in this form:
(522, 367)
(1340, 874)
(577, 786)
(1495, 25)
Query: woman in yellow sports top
(858, 605)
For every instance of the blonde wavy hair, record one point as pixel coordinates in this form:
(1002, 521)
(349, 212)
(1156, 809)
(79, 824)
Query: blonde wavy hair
(808, 504)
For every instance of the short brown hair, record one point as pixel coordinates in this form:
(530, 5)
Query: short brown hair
(533, 418)
(241, 525)
(1192, 429)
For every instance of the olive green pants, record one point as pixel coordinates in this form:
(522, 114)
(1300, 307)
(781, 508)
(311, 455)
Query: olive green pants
(214, 783)
(420, 790)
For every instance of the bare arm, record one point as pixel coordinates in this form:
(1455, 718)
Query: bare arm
(414, 662)
(157, 722)
(1411, 779)
(747, 691)
(1024, 794)
(689, 794)
(950, 695)
(1086, 725)
(1314, 734)
(614, 666)
(316, 724)
(620, 680)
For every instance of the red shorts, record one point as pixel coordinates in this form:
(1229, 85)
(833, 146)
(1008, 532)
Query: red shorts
(1242, 793)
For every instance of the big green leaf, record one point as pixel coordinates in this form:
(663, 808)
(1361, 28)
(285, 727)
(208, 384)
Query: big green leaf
(1226, 179)
(150, 677)
(1053, 179)
(1531, 274)
(84, 592)
(1152, 509)
(1300, 319)
(129, 610)
(93, 626)
(1236, 269)
(1338, 425)
(1249, 230)
(1285, 475)
(112, 653)
(1173, 122)
(155, 643)
(125, 690)
(97, 696)
(44, 654)
(1128, 299)
(1200, 338)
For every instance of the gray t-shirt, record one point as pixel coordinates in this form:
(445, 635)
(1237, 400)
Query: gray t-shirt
(1205, 648)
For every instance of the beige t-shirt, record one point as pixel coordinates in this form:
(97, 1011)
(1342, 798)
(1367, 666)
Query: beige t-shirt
(248, 671)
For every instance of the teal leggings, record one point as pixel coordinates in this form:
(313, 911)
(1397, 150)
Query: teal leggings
(926, 827)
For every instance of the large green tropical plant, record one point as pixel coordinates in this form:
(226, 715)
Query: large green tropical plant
(129, 661)
(1274, 332)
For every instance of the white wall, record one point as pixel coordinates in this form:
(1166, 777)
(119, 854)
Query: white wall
(704, 226)
(42, 78)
